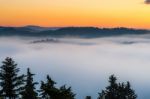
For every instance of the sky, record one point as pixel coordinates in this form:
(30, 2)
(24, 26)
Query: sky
(60, 13)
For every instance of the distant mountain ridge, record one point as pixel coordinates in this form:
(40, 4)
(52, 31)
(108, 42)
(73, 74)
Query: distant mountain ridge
(87, 32)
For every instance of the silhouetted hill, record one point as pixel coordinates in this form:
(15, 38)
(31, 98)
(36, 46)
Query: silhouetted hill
(87, 32)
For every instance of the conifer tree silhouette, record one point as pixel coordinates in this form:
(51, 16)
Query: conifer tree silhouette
(29, 91)
(10, 81)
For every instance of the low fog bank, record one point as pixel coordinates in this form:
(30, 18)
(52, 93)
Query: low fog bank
(84, 64)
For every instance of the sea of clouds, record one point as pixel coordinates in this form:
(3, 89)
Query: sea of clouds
(84, 64)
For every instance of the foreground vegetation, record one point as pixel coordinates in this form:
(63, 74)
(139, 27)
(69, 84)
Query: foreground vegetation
(15, 86)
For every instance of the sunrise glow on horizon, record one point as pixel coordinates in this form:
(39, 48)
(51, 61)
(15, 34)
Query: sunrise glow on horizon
(60, 13)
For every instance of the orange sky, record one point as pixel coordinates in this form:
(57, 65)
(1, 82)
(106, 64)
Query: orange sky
(99, 13)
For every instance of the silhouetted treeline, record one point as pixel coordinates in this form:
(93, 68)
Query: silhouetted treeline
(84, 32)
(15, 86)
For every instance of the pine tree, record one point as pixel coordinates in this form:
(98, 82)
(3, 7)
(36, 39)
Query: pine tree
(66, 93)
(112, 88)
(29, 88)
(121, 94)
(88, 97)
(117, 90)
(10, 82)
(130, 93)
(48, 90)
(43, 92)
(102, 95)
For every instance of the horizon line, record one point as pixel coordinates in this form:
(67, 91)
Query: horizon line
(100, 27)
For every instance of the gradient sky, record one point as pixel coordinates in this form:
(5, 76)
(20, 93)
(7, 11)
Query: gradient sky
(99, 13)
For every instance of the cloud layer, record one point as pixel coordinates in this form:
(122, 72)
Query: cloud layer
(85, 68)
(147, 1)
